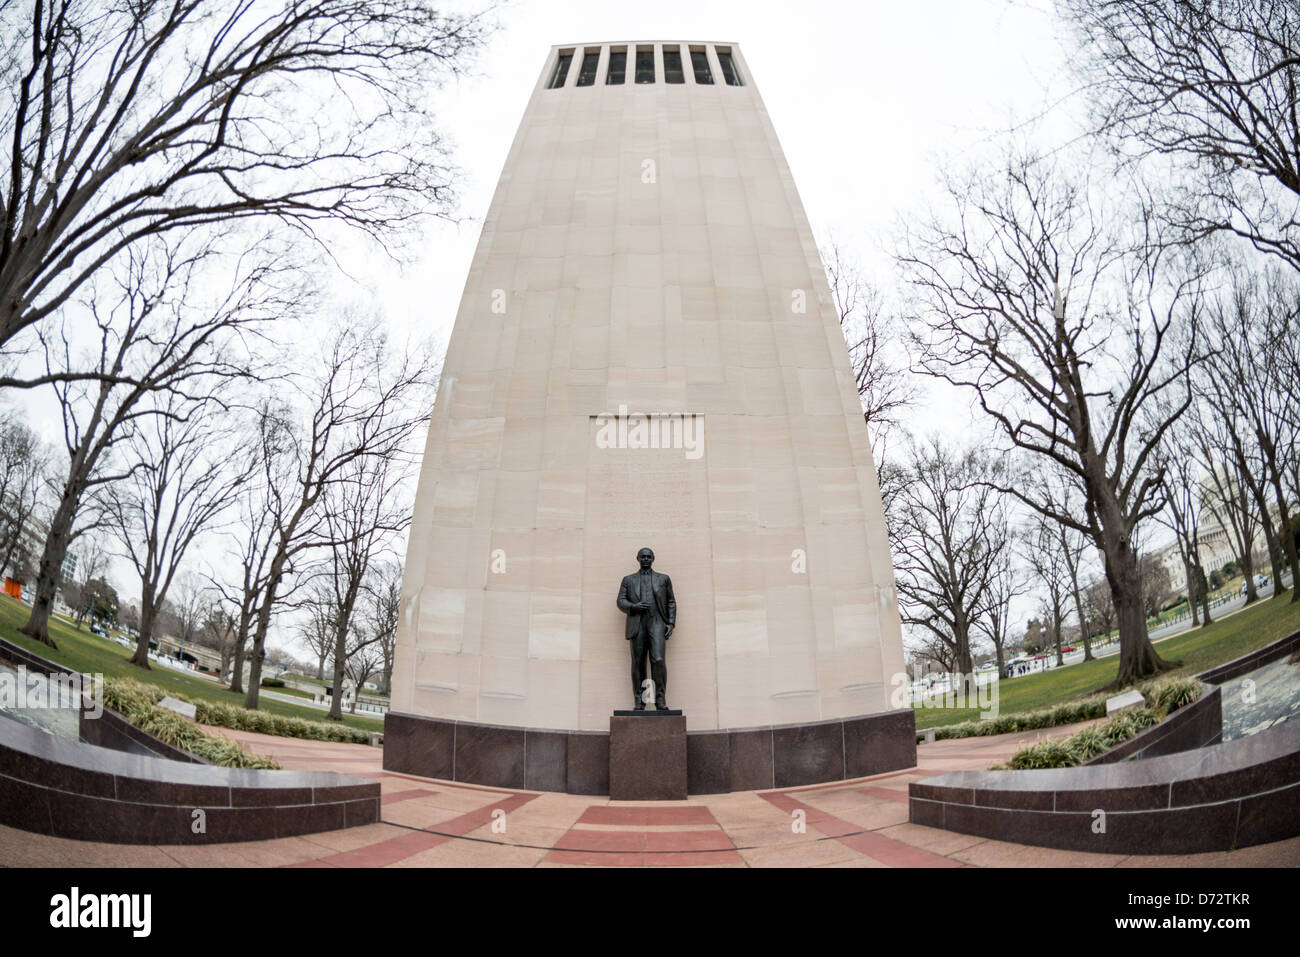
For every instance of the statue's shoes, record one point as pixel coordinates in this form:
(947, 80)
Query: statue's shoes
(640, 706)
(661, 706)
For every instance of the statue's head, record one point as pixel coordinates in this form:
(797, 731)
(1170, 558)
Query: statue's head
(645, 557)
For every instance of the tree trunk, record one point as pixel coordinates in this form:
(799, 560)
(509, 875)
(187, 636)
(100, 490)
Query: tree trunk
(1137, 656)
(1193, 598)
(1083, 624)
(1056, 631)
(263, 626)
(1248, 570)
(51, 568)
(1287, 541)
(336, 701)
(257, 652)
(1275, 557)
(147, 614)
(241, 646)
(1203, 592)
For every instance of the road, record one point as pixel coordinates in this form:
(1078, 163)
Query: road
(1162, 633)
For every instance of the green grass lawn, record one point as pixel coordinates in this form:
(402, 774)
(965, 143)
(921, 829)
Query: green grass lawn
(307, 679)
(90, 654)
(1202, 648)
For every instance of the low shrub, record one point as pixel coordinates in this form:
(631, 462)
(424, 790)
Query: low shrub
(1067, 712)
(272, 683)
(131, 694)
(138, 703)
(241, 719)
(1164, 695)
(1162, 699)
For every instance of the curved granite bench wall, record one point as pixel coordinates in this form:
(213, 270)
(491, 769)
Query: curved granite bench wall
(1194, 726)
(1252, 660)
(71, 789)
(577, 762)
(1199, 798)
(110, 729)
(1227, 795)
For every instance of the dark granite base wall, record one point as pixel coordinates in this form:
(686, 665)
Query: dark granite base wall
(76, 790)
(577, 762)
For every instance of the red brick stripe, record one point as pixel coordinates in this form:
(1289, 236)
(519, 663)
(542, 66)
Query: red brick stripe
(884, 849)
(410, 843)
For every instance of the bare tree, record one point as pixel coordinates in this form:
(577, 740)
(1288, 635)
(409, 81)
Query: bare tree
(1061, 331)
(92, 564)
(218, 630)
(1182, 514)
(1006, 584)
(363, 663)
(1046, 556)
(159, 338)
(361, 403)
(24, 468)
(363, 515)
(183, 470)
(1099, 607)
(254, 534)
(883, 380)
(190, 599)
(1226, 496)
(931, 647)
(1157, 585)
(125, 121)
(1241, 381)
(316, 630)
(1212, 83)
(946, 531)
(383, 607)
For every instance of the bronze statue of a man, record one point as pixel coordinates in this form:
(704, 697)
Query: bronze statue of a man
(646, 597)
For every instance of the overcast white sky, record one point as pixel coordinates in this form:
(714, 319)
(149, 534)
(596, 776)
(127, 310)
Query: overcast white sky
(869, 99)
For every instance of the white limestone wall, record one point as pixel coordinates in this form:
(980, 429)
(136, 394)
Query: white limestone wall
(646, 248)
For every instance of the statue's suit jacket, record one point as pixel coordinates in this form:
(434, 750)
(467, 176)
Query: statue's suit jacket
(661, 588)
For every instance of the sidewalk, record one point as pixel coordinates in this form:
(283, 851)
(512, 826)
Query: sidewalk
(429, 823)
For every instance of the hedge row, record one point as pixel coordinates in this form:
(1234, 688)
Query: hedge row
(1162, 699)
(1171, 694)
(1067, 712)
(241, 719)
(138, 703)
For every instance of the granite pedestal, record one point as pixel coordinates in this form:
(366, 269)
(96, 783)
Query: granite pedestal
(647, 756)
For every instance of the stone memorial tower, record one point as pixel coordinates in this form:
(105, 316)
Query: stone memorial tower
(647, 354)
